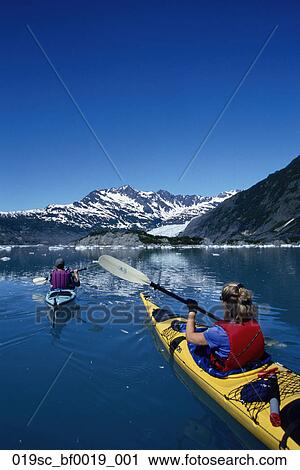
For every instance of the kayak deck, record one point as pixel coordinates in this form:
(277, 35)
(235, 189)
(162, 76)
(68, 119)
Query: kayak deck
(254, 416)
(59, 297)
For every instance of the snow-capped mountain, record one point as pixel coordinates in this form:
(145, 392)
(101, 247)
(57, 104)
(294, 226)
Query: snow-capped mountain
(123, 207)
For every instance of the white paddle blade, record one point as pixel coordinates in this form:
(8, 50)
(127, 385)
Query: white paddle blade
(124, 271)
(38, 298)
(39, 281)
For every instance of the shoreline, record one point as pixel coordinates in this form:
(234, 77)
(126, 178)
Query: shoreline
(8, 248)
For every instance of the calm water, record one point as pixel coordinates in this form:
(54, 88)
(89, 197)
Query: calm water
(106, 384)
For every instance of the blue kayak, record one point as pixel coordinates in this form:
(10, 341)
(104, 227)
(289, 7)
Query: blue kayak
(58, 297)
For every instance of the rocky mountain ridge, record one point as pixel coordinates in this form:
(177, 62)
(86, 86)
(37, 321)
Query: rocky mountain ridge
(269, 211)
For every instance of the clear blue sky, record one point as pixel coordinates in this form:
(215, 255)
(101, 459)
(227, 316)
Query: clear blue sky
(151, 77)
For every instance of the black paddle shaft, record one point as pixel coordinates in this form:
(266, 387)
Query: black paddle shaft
(182, 300)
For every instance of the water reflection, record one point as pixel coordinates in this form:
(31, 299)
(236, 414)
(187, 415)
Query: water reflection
(116, 373)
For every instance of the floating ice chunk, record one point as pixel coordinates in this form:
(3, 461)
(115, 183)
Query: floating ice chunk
(5, 248)
(273, 343)
(5, 258)
(81, 247)
(55, 248)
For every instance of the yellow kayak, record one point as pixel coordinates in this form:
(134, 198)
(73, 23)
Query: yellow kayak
(229, 391)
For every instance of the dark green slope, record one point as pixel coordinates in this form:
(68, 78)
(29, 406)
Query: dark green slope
(266, 212)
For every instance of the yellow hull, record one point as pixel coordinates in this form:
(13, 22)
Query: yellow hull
(226, 391)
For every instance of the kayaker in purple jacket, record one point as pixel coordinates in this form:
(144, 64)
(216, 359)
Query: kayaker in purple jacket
(61, 278)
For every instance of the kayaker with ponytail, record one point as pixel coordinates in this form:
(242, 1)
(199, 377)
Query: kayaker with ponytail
(237, 340)
(61, 278)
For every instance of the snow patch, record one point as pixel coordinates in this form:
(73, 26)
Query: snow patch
(287, 223)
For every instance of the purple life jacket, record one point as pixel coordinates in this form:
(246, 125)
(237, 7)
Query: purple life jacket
(61, 279)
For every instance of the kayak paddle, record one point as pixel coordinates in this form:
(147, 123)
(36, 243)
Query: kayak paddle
(40, 281)
(124, 271)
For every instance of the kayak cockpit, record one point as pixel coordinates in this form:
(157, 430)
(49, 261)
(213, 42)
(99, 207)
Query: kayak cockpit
(59, 297)
(199, 353)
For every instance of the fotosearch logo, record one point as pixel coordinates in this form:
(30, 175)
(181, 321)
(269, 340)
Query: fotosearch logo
(99, 314)
(121, 313)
